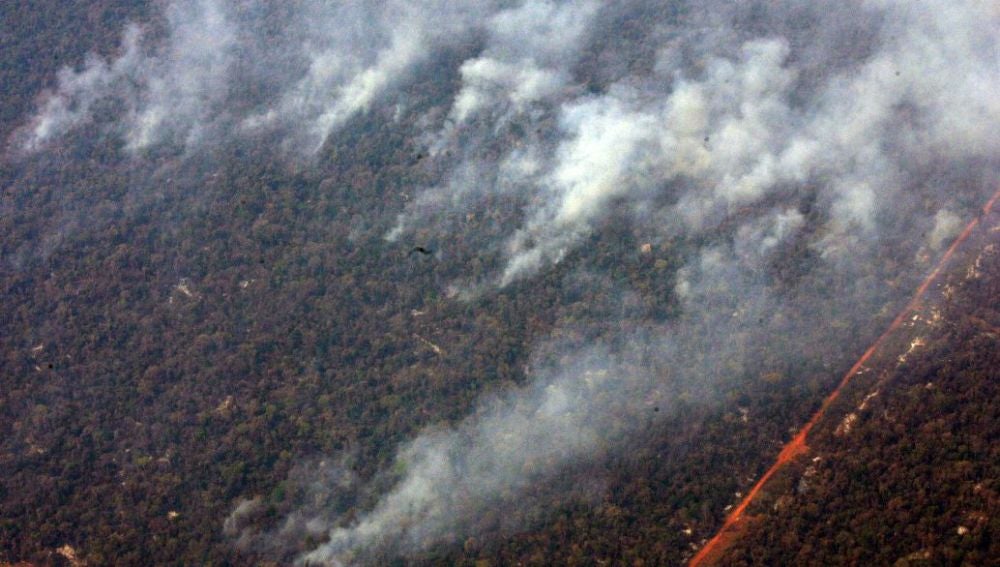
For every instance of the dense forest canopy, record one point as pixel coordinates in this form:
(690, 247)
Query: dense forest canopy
(904, 471)
(649, 238)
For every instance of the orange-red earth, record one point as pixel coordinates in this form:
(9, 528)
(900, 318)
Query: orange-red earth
(797, 446)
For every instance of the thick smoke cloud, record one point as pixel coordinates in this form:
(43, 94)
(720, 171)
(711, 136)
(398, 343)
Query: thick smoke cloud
(738, 127)
(743, 130)
(739, 132)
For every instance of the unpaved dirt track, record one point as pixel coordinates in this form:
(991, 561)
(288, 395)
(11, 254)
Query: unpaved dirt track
(798, 444)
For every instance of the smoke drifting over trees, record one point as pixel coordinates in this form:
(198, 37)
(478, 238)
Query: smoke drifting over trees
(796, 156)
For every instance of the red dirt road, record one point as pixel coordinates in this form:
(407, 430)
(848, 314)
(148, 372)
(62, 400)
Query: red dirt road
(797, 445)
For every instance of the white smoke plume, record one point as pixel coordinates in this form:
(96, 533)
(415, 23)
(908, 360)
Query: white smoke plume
(585, 399)
(525, 60)
(165, 94)
(327, 63)
(182, 88)
(602, 158)
(737, 137)
(354, 52)
(720, 121)
(735, 129)
(71, 103)
(946, 225)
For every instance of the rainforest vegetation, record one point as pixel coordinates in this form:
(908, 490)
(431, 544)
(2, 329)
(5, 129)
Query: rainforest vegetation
(222, 349)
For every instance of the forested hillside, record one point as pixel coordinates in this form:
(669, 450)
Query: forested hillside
(513, 281)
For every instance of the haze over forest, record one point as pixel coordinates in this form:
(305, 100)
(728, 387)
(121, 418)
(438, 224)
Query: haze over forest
(441, 282)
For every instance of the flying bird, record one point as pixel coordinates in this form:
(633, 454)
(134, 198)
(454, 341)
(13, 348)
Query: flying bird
(421, 250)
